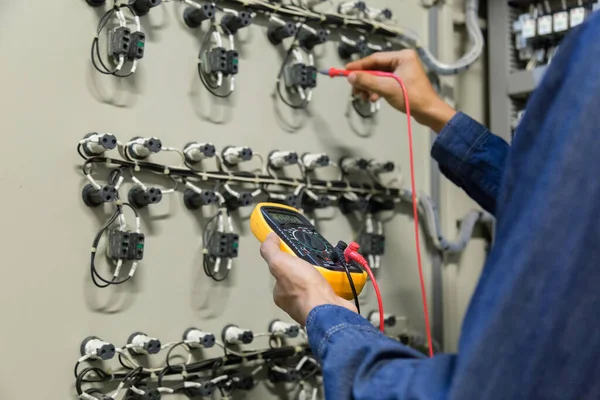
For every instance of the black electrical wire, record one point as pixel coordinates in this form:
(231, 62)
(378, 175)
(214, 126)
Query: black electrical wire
(208, 260)
(212, 89)
(173, 347)
(102, 376)
(95, 50)
(113, 179)
(304, 103)
(354, 294)
(221, 176)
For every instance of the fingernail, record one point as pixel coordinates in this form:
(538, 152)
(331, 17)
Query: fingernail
(352, 78)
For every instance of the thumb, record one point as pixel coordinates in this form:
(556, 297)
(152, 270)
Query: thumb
(270, 248)
(369, 83)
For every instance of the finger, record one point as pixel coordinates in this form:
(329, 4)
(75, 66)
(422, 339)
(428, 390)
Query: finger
(370, 83)
(374, 97)
(386, 61)
(275, 258)
(269, 249)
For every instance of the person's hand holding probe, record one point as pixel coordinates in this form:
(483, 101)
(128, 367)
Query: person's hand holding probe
(426, 106)
(300, 287)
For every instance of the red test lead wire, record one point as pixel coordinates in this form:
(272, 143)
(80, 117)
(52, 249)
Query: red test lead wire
(334, 72)
(351, 254)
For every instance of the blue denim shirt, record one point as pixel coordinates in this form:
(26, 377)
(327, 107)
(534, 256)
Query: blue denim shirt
(532, 330)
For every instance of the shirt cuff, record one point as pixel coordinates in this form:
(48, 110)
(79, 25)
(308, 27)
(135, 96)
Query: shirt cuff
(324, 321)
(459, 138)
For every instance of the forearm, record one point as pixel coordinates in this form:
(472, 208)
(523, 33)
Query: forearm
(472, 157)
(361, 363)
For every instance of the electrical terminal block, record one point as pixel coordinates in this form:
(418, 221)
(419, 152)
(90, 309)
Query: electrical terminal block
(389, 320)
(224, 245)
(371, 244)
(194, 200)
(279, 159)
(119, 41)
(95, 144)
(137, 46)
(196, 339)
(312, 161)
(127, 246)
(140, 343)
(233, 155)
(97, 349)
(194, 16)
(234, 335)
(277, 32)
(142, 7)
(378, 167)
(281, 328)
(351, 165)
(300, 75)
(195, 152)
(140, 197)
(232, 23)
(140, 148)
(222, 60)
(93, 197)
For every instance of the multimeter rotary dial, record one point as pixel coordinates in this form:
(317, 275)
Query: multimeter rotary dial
(309, 241)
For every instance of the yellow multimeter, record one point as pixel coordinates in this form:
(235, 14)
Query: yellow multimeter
(300, 238)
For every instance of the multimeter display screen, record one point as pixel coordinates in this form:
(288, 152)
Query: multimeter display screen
(281, 218)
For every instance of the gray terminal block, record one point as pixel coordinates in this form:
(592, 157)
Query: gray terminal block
(143, 344)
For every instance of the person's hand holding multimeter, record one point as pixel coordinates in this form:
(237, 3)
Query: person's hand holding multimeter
(300, 239)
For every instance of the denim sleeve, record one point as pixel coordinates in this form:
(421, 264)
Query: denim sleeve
(360, 363)
(472, 158)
